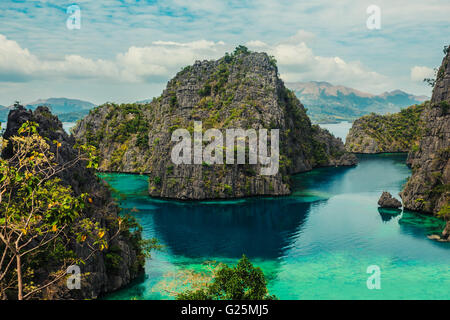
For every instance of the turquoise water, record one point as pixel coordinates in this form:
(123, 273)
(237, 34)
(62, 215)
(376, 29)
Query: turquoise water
(315, 244)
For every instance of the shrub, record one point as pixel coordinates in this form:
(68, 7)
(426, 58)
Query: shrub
(241, 282)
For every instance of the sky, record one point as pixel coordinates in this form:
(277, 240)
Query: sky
(127, 50)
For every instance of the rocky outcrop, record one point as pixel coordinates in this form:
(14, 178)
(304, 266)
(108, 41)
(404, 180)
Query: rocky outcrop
(441, 90)
(397, 132)
(428, 189)
(388, 201)
(100, 276)
(239, 91)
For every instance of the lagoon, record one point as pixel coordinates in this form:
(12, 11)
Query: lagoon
(314, 244)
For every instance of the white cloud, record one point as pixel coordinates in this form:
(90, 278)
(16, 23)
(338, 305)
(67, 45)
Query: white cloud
(297, 62)
(139, 64)
(256, 44)
(15, 62)
(162, 59)
(116, 26)
(302, 36)
(418, 73)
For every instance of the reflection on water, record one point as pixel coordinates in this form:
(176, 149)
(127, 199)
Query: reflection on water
(315, 244)
(387, 214)
(259, 229)
(414, 223)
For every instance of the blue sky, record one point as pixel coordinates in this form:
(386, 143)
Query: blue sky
(127, 50)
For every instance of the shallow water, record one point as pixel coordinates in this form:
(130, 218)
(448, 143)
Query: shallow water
(315, 244)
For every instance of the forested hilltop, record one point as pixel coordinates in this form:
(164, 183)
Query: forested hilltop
(398, 132)
(240, 90)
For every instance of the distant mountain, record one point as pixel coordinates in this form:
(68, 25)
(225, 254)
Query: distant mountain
(62, 105)
(67, 110)
(145, 101)
(328, 103)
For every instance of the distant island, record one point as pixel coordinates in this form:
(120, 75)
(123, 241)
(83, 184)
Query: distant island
(67, 110)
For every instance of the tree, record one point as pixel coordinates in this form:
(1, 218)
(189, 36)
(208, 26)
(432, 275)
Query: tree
(438, 72)
(241, 50)
(220, 282)
(431, 81)
(40, 216)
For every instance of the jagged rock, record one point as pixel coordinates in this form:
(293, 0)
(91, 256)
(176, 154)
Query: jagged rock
(238, 91)
(434, 237)
(99, 280)
(441, 90)
(428, 189)
(388, 201)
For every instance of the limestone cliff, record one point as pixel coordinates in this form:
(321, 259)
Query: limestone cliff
(106, 270)
(241, 90)
(397, 132)
(428, 189)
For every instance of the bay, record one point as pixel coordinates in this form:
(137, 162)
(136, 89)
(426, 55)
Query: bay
(314, 244)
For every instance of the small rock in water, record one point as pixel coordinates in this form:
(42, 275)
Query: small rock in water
(388, 201)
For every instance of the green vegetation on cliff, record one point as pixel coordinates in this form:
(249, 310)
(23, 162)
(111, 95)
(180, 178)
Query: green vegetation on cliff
(398, 132)
(428, 189)
(54, 213)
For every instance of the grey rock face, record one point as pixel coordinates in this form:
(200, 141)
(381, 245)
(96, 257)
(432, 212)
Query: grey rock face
(441, 89)
(388, 201)
(428, 189)
(231, 93)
